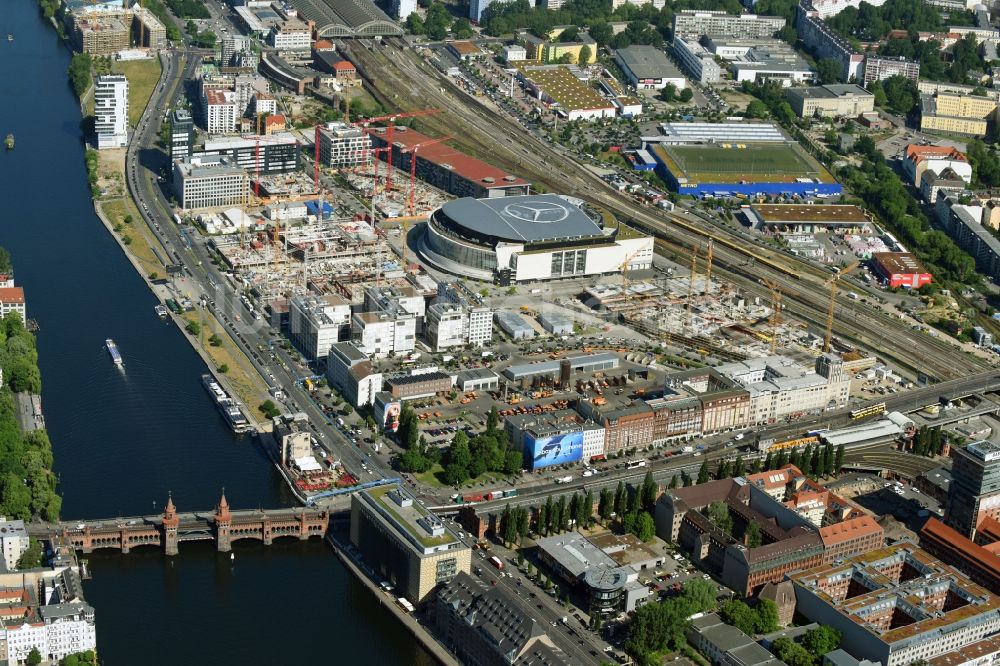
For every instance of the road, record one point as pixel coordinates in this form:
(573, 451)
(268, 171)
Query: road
(205, 283)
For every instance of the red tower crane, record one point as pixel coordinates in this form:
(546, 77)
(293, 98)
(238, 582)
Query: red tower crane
(257, 138)
(390, 121)
(412, 150)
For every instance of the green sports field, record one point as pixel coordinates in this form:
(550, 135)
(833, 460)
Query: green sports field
(737, 163)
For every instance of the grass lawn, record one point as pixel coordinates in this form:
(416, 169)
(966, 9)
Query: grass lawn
(244, 380)
(142, 241)
(143, 75)
(432, 477)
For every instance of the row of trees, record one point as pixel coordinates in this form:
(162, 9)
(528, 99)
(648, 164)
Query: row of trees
(27, 484)
(79, 73)
(815, 643)
(928, 442)
(965, 57)
(438, 23)
(662, 626)
(156, 6)
(189, 9)
(869, 23)
(985, 164)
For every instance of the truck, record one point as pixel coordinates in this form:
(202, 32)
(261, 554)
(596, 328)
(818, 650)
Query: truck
(500, 494)
(495, 561)
(687, 449)
(564, 479)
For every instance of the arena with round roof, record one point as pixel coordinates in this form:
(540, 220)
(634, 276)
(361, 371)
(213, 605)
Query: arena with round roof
(529, 237)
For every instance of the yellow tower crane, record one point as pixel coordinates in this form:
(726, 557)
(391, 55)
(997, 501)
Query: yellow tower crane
(832, 283)
(694, 270)
(775, 312)
(708, 269)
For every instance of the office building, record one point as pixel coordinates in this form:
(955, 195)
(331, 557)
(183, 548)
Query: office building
(480, 316)
(897, 605)
(210, 182)
(352, 373)
(291, 35)
(100, 34)
(404, 543)
(147, 29)
(220, 111)
(980, 563)
(974, 493)
(608, 586)
(342, 145)
(483, 625)
(957, 114)
(647, 68)
(761, 60)
(698, 61)
(879, 68)
(512, 52)
(274, 155)
(13, 541)
(446, 326)
(181, 135)
(111, 111)
(779, 386)
(233, 44)
(401, 9)
(317, 322)
(382, 332)
(694, 23)
(831, 101)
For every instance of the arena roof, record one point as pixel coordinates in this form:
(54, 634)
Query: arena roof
(347, 18)
(522, 219)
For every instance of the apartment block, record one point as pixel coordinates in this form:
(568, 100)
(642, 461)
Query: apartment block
(100, 34)
(147, 29)
(111, 111)
(694, 23)
(879, 68)
(317, 322)
(342, 145)
(220, 110)
(957, 114)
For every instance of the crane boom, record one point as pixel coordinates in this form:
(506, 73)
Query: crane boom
(832, 283)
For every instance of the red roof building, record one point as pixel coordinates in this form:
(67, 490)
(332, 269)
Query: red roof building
(900, 269)
(977, 562)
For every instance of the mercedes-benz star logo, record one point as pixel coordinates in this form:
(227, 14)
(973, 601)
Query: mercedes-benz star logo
(539, 213)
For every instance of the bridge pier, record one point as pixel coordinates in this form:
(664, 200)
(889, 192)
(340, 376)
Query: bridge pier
(223, 525)
(171, 521)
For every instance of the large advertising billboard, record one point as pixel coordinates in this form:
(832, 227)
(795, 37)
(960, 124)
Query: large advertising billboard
(387, 413)
(553, 450)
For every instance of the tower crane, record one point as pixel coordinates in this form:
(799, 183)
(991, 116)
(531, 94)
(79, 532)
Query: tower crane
(412, 150)
(390, 121)
(832, 283)
(775, 311)
(708, 269)
(694, 269)
(624, 269)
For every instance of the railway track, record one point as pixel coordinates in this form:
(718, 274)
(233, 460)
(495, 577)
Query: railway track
(399, 78)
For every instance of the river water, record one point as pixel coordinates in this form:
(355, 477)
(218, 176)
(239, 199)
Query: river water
(122, 441)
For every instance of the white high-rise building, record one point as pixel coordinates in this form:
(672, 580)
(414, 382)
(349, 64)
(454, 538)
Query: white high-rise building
(111, 111)
(403, 8)
(220, 109)
(13, 541)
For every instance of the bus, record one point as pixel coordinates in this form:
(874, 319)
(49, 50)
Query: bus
(871, 410)
(635, 464)
(495, 561)
(405, 604)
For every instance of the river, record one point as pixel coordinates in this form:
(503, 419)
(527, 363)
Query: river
(122, 441)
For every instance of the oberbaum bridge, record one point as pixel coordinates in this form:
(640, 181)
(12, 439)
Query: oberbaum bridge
(167, 530)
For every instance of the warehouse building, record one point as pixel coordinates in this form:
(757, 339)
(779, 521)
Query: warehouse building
(404, 543)
(556, 323)
(805, 218)
(565, 94)
(900, 269)
(586, 364)
(445, 168)
(831, 101)
(420, 385)
(647, 68)
(514, 325)
(527, 238)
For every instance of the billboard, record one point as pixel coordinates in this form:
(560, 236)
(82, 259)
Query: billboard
(554, 450)
(387, 413)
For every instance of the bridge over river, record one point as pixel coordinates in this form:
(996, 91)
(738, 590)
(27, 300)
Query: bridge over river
(169, 529)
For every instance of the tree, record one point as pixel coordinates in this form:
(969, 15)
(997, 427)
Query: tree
(767, 616)
(585, 55)
(791, 652)
(605, 503)
(193, 327)
(492, 420)
(828, 460)
(437, 21)
(828, 70)
(32, 557)
(601, 33)
(700, 593)
(462, 28)
(674, 482)
(753, 536)
(79, 73)
(621, 497)
(415, 24)
(740, 615)
(648, 492)
(586, 514)
(668, 93)
(718, 513)
(821, 640)
(269, 409)
(543, 517)
(562, 509)
(686, 95)
(756, 109)
(703, 475)
(645, 527)
(34, 657)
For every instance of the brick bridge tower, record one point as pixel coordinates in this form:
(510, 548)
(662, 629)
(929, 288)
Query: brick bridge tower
(223, 523)
(170, 522)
